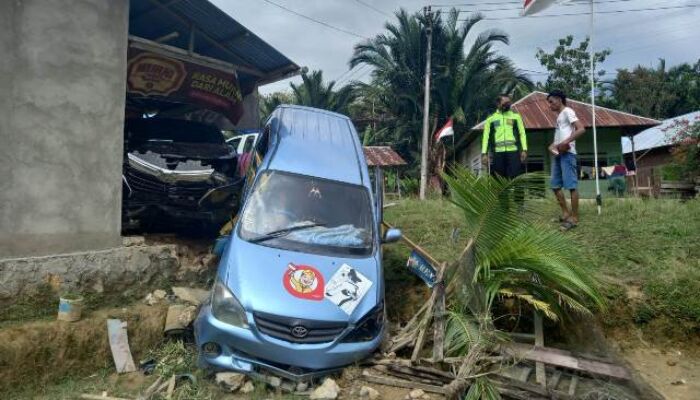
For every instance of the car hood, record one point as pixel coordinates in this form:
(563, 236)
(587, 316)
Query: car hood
(256, 275)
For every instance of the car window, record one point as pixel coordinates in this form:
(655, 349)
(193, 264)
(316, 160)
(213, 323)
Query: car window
(338, 215)
(248, 145)
(234, 142)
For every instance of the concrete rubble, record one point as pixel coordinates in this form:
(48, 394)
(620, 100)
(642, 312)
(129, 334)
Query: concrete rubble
(329, 390)
(248, 387)
(367, 392)
(191, 295)
(231, 381)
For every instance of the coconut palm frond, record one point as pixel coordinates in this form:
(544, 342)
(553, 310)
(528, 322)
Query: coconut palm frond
(538, 305)
(482, 389)
(515, 257)
(461, 334)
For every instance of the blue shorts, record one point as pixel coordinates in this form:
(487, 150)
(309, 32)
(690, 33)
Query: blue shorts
(564, 172)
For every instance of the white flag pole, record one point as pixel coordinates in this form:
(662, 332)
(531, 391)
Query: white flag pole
(599, 200)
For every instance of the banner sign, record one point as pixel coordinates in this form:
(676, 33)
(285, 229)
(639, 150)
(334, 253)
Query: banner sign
(171, 79)
(421, 267)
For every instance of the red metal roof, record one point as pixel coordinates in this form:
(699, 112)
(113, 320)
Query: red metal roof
(382, 156)
(536, 114)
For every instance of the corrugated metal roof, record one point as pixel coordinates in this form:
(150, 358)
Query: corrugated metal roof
(656, 136)
(536, 114)
(382, 156)
(217, 35)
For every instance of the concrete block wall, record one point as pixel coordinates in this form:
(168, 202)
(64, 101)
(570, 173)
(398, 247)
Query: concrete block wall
(62, 92)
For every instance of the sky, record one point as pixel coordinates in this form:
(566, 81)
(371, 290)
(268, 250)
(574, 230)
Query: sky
(635, 37)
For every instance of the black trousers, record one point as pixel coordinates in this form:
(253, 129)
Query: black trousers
(506, 164)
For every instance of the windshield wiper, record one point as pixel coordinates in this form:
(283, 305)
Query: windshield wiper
(283, 232)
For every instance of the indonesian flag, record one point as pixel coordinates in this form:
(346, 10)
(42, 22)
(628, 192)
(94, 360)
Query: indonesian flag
(444, 131)
(534, 6)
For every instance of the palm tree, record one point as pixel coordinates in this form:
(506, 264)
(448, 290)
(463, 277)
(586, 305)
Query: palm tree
(464, 84)
(509, 257)
(313, 92)
(269, 102)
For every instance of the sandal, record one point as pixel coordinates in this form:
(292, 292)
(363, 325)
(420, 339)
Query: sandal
(558, 220)
(567, 226)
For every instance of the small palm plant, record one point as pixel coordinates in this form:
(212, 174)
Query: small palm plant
(508, 256)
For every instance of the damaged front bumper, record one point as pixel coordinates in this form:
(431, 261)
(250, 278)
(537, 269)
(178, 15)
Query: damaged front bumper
(248, 350)
(167, 175)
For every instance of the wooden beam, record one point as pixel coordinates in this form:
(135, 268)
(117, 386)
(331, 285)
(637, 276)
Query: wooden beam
(166, 38)
(540, 373)
(402, 383)
(557, 357)
(439, 316)
(416, 247)
(244, 68)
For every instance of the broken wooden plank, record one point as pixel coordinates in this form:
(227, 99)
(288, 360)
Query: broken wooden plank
(554, 381)
(548, 356)
(381, 380)
(409, 377)
(415, 246)
(412, 372)
(572, 385)
(535, 389)
(421, 333)
(540, 373)
(439, 316)
(171, 388)
(119, 344)
(151, 389)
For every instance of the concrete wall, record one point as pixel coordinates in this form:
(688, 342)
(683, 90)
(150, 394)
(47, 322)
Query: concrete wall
(62, 89)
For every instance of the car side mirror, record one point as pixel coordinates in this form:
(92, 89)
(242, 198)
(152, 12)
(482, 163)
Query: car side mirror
(392, 235)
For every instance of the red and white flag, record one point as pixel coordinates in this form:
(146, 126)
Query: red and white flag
(444, 131)
(534, 6)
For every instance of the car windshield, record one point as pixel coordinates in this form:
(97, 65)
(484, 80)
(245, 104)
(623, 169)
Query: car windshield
(297, 212)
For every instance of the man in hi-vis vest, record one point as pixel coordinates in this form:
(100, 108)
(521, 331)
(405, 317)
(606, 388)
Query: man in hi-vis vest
(504, 136)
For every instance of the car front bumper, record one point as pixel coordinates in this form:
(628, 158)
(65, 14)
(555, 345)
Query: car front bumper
(246, 349)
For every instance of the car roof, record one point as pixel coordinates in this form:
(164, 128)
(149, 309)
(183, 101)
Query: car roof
(318, 143)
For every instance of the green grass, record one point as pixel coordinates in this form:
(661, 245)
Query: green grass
(651, 246)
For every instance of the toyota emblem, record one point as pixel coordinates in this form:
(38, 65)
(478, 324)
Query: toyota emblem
(299, 331)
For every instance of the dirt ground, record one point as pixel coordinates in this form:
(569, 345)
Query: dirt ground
(673, 373)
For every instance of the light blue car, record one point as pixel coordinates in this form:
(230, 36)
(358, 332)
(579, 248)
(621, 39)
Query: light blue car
(300, 286)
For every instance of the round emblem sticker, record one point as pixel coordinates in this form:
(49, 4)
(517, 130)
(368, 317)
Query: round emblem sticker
(304, 282)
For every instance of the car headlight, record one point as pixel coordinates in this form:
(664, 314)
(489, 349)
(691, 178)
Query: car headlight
(369, 326)
(226, 308)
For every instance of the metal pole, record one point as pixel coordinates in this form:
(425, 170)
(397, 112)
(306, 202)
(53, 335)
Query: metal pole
(598, 199)
(634, 161)
(426, 109)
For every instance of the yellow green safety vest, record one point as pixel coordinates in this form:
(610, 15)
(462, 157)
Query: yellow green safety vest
(504, 131)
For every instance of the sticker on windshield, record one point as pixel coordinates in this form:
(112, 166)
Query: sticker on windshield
(304, 282)
(347, 287)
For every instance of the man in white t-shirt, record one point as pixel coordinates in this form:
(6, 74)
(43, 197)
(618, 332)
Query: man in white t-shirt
(564, 162)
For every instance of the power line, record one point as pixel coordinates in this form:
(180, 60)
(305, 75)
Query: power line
(348, 78)
(373, 8)
(498, 3)
(327, 25)
(588, 13)
(495, 3)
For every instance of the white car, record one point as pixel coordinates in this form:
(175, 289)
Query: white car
(243, 143)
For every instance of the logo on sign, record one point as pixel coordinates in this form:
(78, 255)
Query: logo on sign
(304, 282)
(149, 74)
